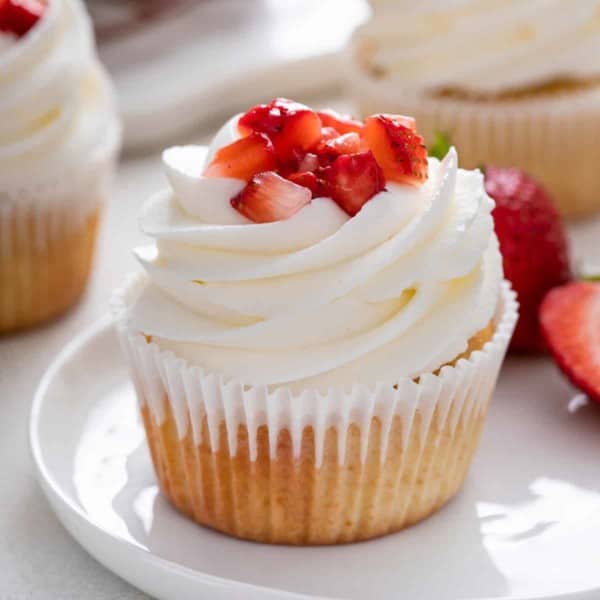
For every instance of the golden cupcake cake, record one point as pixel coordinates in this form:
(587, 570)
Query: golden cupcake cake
(512, 83)
(59, 137)
(318, 326)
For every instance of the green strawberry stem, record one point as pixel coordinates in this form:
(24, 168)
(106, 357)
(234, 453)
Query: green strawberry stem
(440, 146)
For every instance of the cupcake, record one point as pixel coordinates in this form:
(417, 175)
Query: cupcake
(59, 137)
(318, 327)
(512, 83)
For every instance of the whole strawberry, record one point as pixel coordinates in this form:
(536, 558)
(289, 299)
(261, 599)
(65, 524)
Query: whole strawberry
(533, 245)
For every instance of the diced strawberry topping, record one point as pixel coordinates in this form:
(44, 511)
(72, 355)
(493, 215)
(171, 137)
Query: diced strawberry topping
(19, 16)
(291, 126)
(308, 180)
(341, 123)
(401, 153)
(570, 324)
(289, 151)
(269, 197)
(309, 162)
(349, 143)
(329, 133)
(353, 179)
(400, 120)
(243, 158)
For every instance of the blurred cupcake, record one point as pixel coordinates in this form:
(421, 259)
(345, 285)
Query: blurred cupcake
(59, 138)
(319, 328)
(513, 83)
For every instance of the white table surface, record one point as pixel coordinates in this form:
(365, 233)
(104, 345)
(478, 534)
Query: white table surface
(38, 559)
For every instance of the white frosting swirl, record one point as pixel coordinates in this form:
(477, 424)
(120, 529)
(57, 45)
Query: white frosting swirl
(481, 46)
(57, 110)
(320, 298)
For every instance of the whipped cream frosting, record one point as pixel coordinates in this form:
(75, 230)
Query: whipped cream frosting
(57, 108)
(481, 46)
(321, 298)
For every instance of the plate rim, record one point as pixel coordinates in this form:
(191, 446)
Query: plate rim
(51, 487)
(61, 503)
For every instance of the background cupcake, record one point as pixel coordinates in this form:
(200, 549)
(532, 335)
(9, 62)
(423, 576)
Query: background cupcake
(313, 360)
(59, 137)
(513, 83)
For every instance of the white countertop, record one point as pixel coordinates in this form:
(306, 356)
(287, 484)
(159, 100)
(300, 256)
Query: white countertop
(38, 559)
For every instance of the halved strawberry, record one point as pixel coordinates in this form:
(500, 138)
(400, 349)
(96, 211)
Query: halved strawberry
(401, 153)
(308, 180)
(269, 197)
(341, 123)
(291, 126)
(19, 16)
(353, 179)
(243, 158)
(570, 324)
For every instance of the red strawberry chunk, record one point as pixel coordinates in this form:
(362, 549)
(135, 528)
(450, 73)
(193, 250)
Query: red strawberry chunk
(341, 123)
(353, 179)
(400, 120)
(570, 323)
(349, 143)
(243, 158)
(291, 126)
(309, 162)
(268, 197)
(308, 180)
(401, 153)
(328, 133)
(19, 16)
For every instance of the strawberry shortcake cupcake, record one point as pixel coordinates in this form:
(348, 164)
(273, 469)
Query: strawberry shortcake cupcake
(318, 328)
(59, 137)
(514, 84)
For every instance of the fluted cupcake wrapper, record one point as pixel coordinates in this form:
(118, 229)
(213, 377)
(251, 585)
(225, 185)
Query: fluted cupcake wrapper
(551, 136)
(47, 239)
(272, 465)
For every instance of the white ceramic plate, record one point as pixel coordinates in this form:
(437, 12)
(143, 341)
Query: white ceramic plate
(221, 56)
(526, 525)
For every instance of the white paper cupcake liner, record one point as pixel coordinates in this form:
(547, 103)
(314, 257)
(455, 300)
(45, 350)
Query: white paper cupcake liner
(271, 465)
(36, 213)
(47, 237)
(194, 393)
(550, 136)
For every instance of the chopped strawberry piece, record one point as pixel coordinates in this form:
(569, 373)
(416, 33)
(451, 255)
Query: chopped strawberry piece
(570, 324)
(349, 143)
(353, 179)
(329, 133)
(401, 153)
(308, 180)
(243, 158)
(341, 123)
(19, 16)
(309, 162)
(269, 197)
(400, 120)
(291, 126)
